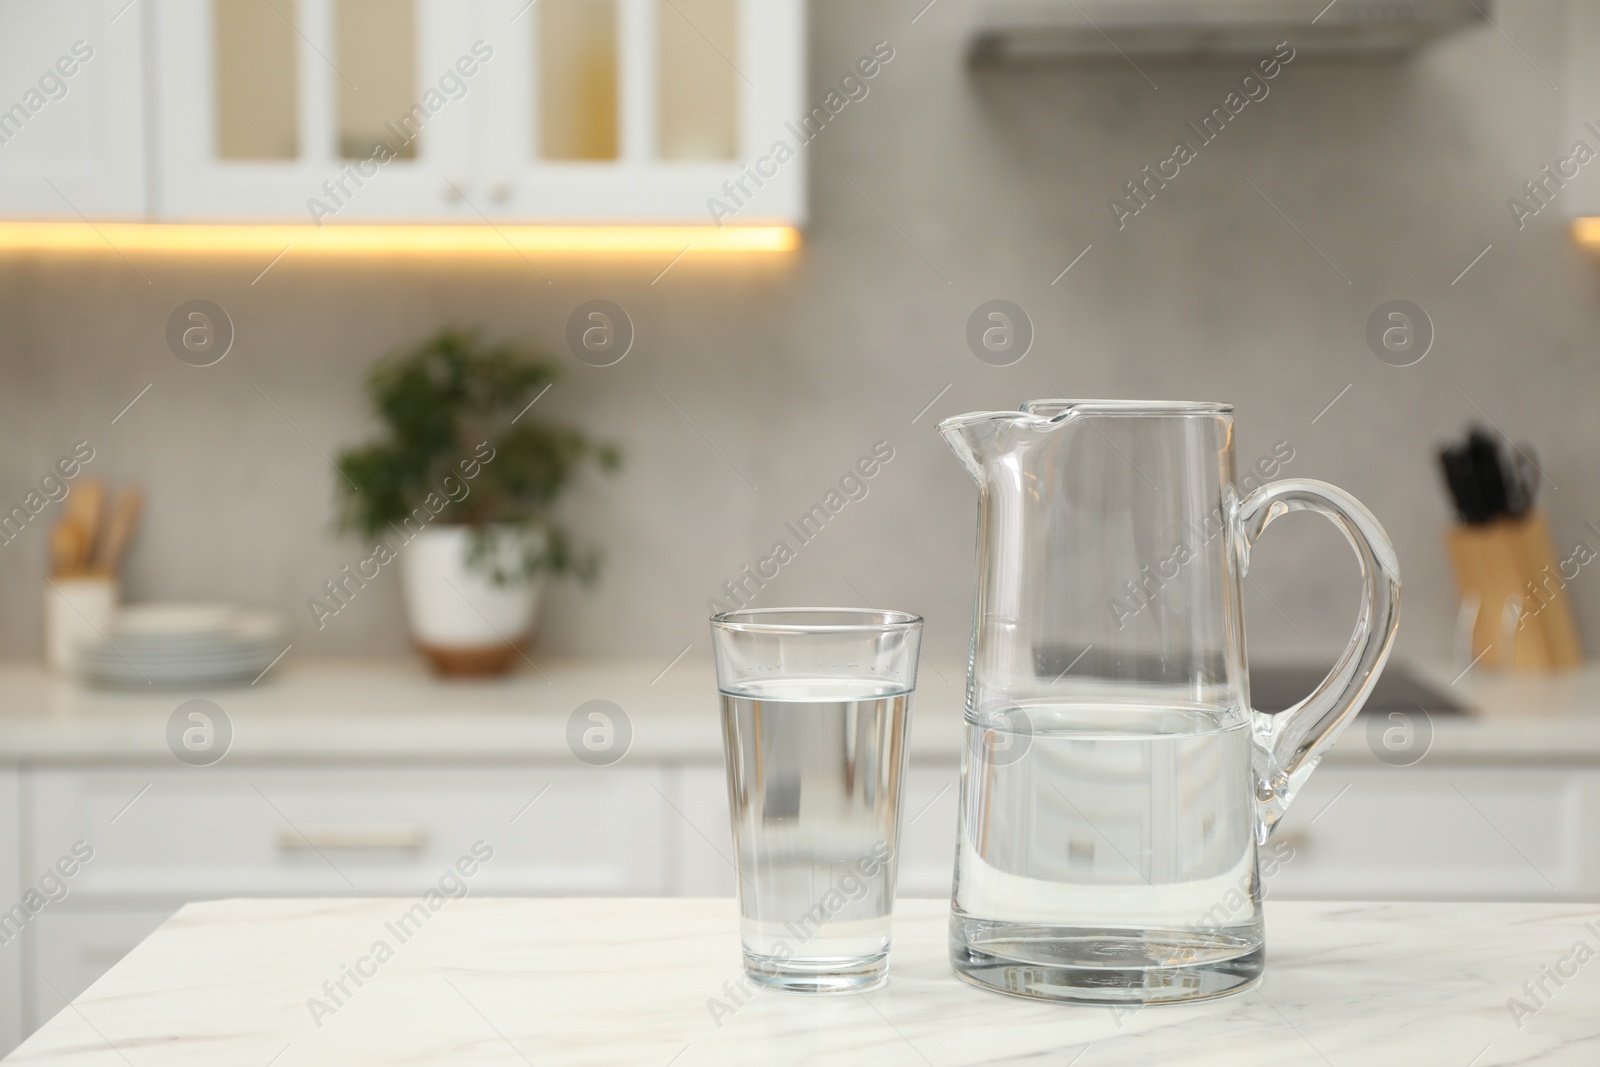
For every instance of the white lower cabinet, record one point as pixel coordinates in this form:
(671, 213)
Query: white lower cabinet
(197, 833)
(702, 862)
(12, 942)
(1442, 832)
(73, 947)
(140, 841)
(928, 832)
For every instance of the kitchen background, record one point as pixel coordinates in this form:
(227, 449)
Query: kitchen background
(755, 383)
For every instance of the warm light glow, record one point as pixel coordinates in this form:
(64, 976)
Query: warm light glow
(1587, 230)
(354, 237)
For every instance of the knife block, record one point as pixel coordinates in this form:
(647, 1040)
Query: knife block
(1524, 617)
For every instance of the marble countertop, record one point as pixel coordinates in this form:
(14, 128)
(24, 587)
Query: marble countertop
(653, 982)
(388, 710)
(394, 711)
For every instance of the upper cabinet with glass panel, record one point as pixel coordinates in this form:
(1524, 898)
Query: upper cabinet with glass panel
(413, 110)
(315, 110)
(643, 110)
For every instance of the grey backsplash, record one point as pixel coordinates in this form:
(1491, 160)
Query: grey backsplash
(755, 383)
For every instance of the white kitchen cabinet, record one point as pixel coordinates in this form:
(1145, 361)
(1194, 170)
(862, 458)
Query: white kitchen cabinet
(72, 109)
(1434, 831)
(1430, 832)
(12, 945)
(163, 835)
(174, 834)
(1440, 832)
(263, 114)
(702, 862)
(928, 831)
(435, 110)
(73, 948)
(703, 91)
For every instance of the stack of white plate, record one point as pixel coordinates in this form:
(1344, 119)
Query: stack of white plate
(181, 645)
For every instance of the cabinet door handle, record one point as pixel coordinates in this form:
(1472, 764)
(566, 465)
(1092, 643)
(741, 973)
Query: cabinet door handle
(318, 836)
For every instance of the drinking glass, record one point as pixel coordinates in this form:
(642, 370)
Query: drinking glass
(815, 708)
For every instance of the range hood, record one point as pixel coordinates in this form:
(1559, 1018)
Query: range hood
(1018, 30)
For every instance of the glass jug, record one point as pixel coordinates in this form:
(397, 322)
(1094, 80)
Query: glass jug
(1115, 780)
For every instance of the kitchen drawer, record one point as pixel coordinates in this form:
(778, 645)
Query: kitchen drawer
(72, 949)
(1436, 832)
(185, 834)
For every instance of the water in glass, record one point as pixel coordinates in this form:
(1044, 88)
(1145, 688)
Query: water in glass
(817, 765)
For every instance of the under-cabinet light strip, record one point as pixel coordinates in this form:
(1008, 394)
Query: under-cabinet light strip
(1587, 229)
(440, 238)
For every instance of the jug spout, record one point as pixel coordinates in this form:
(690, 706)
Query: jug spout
(980, 438)
(973, 438)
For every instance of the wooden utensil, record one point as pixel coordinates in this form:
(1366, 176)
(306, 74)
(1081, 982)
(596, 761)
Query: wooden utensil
(119, 531)
(66, 548)
(84, 508)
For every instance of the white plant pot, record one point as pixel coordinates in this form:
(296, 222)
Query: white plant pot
(459, 618)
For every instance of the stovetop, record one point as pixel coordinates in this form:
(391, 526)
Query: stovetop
(1275, 687)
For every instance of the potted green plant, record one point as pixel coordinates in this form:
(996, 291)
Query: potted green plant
(460, 489)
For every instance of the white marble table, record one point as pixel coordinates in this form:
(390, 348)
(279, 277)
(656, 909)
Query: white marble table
(528, 981)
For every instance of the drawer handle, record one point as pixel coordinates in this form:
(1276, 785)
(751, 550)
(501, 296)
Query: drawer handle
(351, 836)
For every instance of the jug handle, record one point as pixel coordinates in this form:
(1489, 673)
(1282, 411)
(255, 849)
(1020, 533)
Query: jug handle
(1290, 744)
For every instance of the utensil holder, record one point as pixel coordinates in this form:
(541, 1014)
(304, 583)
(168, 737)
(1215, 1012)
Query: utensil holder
(76, 609)
(1523, 619)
